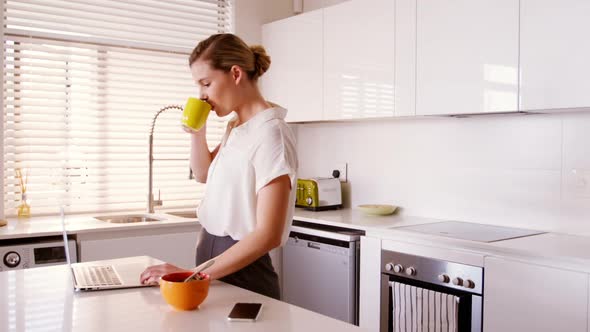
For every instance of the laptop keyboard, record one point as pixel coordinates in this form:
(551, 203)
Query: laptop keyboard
(98, 276)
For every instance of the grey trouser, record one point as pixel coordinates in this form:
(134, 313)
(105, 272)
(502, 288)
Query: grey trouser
(259, 277)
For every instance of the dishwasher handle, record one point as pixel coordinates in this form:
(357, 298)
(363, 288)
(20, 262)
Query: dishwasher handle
(317, 241)
(313, 245)
(316, 244)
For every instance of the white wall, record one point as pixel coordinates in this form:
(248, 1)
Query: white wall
(530, 171)
(251, 14)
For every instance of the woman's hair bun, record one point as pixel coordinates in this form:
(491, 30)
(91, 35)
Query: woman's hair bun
(261, 60)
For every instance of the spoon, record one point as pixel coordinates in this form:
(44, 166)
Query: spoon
(199, 269)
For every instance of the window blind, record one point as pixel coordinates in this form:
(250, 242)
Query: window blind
(82, 82)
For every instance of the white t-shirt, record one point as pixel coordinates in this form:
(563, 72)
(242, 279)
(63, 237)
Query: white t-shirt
(250, 156)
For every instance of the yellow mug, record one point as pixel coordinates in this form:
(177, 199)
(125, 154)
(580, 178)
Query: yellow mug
(195, 114)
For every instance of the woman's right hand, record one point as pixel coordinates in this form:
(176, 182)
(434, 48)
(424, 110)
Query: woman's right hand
(152, 275)
(201, 131)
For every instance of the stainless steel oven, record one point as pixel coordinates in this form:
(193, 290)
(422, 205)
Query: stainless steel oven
(426, 294)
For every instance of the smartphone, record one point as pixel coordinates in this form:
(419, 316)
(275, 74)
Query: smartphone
(244, 312)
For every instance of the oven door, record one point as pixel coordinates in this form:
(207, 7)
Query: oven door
(409, 305)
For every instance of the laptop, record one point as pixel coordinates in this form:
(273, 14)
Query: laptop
(92, 276)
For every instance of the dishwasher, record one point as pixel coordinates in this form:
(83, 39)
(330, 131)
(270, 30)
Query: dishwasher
(321, 269)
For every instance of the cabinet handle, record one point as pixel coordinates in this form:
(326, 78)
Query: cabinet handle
(313, 245)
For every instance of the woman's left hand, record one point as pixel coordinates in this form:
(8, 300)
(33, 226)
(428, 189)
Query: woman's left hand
(152, 274)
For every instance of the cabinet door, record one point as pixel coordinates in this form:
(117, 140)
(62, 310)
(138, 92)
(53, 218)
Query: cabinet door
(467, 56)
(554, 53)
(175, 248)
(405, 58)
(525, 297)
(359, 59)
(294, 79)
(370, 283)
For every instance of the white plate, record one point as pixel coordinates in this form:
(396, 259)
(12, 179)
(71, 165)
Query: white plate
(377, 209)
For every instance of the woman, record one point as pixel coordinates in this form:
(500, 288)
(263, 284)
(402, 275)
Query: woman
(250, 175)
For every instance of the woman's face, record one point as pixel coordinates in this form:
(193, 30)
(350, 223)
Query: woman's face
(216, 87)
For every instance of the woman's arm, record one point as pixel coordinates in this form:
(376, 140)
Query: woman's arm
(201, 157)
(271, 211)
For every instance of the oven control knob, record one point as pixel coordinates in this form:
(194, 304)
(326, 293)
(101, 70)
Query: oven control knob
(458, 281)
(444, 278)
(411, 271)
(12, 259)
(469, 284)
(398, 268)
(389, 267)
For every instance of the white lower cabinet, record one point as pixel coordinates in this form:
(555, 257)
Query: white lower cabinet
(369, 283)
(175, 246)
(526, 297)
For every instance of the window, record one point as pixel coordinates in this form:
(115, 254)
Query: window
(82, 82)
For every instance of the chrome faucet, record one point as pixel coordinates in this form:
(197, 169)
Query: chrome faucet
(151, 202)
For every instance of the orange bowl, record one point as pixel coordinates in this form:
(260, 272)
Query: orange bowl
(184, 295)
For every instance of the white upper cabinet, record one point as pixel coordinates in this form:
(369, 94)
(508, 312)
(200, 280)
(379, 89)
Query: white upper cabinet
(294, 79)
(554, 53)
(525, 297)
(359, 59)
(405, 58)
(467, 56)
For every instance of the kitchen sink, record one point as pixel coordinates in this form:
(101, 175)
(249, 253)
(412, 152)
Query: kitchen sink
(128, 218)
(184, 214)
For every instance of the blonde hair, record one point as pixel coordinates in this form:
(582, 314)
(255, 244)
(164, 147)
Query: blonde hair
(225, 50)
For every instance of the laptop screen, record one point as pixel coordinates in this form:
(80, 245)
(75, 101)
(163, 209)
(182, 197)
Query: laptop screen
(65, 237)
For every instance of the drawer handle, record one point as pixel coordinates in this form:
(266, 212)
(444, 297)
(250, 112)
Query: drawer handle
(313, 245)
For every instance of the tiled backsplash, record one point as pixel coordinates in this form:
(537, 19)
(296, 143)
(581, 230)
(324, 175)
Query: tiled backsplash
(528, 171)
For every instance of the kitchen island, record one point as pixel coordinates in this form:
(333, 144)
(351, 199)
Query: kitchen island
(44, 299)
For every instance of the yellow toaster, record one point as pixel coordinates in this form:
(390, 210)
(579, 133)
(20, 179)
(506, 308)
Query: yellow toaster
(318, 194)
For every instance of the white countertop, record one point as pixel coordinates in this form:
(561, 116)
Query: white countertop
(563, 250)
(354, 219)
(551, 249)
(83, 223)
(43, 298)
